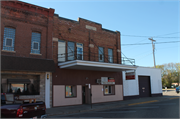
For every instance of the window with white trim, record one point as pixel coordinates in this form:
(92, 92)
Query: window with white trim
(101, 54)
(9, 38)
(8, 42)
(35, 42)
(61, 51)
(110, 55)
(70, 50)
(35, 45)
(79, 51)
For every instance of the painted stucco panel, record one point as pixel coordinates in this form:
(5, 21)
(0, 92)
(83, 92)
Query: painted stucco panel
(59, 96)
(98, 94)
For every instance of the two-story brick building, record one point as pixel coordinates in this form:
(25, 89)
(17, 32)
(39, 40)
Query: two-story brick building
(88, 61)
(26, 50)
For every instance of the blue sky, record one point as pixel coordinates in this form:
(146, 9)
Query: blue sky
(136, 20)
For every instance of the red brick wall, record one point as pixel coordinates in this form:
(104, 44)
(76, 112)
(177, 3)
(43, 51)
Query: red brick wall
(79, 33)
(27, 18)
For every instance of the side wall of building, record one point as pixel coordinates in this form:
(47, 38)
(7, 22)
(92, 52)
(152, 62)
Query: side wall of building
(131, 87)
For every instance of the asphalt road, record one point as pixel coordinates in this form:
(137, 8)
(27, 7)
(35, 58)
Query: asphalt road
(164, 109)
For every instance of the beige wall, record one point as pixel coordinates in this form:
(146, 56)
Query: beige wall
(59, 96)
(98, 94)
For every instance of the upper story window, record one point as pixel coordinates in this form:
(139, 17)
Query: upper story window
(9, 39)
(70, 50)
(35, 42)
(110, 55)
(79, 51)
(61, 51)
(101, 54)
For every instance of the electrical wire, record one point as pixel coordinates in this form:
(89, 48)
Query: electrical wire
(150, 43)
(167, 34)
(148, 36)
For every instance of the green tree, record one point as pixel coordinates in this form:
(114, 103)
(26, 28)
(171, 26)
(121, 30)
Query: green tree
(170, 73)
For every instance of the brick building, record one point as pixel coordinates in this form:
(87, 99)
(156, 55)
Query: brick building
(26, 50)
(88, 63)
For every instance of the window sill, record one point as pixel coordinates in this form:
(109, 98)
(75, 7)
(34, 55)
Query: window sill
(71, 97)
(108, 94)
(35, 54)
(8, 51)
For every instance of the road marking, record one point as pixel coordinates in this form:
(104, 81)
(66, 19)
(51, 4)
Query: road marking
(174, 98)
(142, 102)
(88, 117)
(165, 104)
(141, 107)
(115, 112)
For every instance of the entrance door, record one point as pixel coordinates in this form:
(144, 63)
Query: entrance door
(83, 95)
(144, 86)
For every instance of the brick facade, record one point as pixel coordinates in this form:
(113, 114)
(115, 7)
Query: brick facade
(80, 34)
(92, 36)
(26, 18)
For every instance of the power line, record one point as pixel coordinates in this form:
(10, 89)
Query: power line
(150, 43)
(167, 34)
(148, 36)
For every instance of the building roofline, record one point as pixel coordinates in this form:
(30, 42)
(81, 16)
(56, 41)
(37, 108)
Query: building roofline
(89, 21)
(62, 18)
(32, 5)
(65, 18)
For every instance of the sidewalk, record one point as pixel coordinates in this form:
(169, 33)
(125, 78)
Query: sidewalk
(108, 105)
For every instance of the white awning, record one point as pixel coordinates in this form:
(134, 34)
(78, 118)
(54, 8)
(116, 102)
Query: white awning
(96, 66)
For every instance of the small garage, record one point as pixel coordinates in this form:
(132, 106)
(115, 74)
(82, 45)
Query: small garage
(142, 82)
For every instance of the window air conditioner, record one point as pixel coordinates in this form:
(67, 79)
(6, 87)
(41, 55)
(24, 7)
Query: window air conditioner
(98, 80)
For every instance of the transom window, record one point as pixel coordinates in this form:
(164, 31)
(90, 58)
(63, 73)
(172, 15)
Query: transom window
(9, 38)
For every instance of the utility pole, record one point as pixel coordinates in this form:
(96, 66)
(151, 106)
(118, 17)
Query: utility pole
(153, 47)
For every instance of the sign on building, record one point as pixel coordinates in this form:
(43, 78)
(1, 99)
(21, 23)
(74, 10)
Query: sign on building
(107, 80)
(130, 75)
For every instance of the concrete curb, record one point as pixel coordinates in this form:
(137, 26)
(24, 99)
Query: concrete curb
(109, 107)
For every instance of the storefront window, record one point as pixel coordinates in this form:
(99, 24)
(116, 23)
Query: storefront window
(109, 89)
(21, 86)
(70, 91)
(17, 88)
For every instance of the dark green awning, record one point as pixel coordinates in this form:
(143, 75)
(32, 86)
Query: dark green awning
(18, 81)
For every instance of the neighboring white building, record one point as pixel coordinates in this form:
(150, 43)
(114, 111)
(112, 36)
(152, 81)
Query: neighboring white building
(142, 82)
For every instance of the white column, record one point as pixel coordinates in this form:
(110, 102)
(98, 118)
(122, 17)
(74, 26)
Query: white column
(47, 90)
